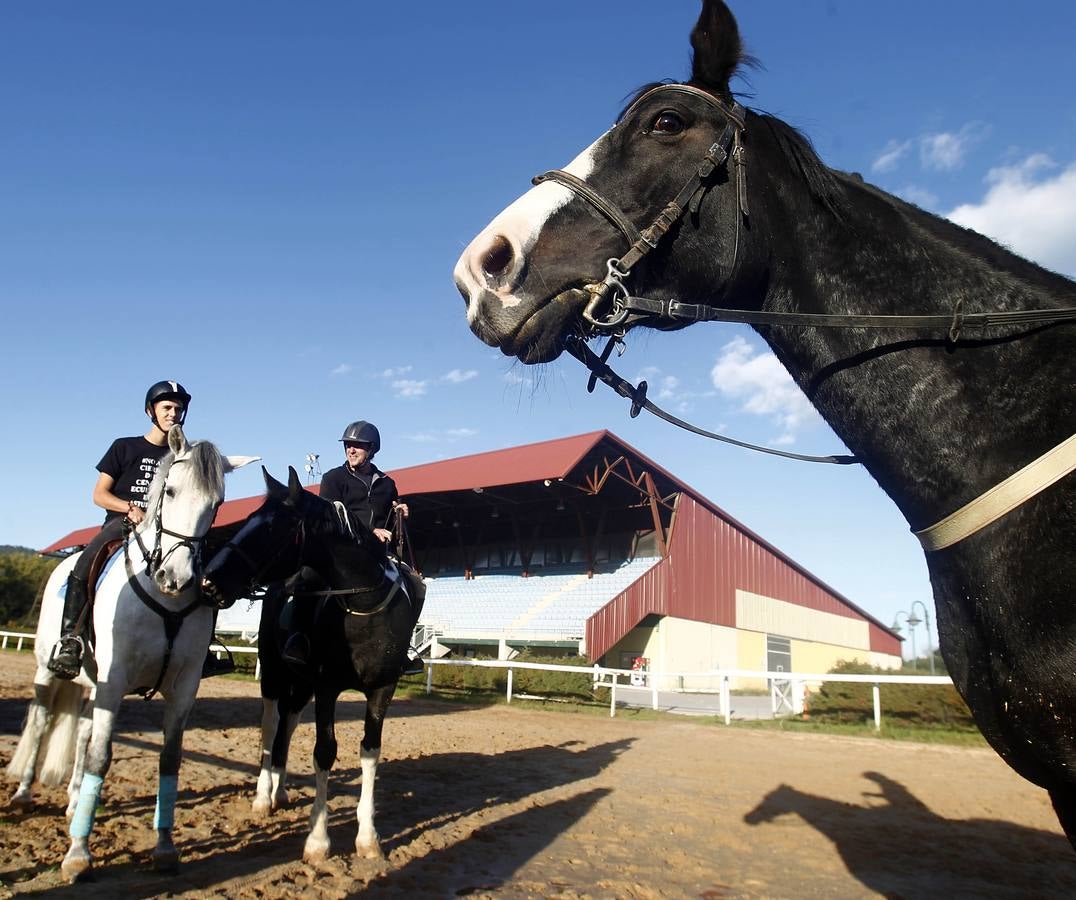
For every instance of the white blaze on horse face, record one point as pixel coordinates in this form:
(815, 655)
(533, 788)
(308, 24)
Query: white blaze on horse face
(520, 224)
(186, 509)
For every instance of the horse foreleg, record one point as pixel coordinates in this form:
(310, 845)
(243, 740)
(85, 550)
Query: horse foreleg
(165, 856)
(367, 842)
(264, 792)
(98, 759)
(316, 848)
(82, 743)
(278, 726)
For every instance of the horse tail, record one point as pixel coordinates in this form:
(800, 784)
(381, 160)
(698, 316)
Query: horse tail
(54, 749)
(58, 753)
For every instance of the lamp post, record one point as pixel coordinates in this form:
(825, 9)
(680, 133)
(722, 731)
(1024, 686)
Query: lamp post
(896, 628)
(913, 621)
(926, 617)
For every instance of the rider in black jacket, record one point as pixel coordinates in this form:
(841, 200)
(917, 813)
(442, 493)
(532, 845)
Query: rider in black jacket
(371, 498)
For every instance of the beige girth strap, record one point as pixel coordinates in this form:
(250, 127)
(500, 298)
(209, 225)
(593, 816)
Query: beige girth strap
(1036, 476)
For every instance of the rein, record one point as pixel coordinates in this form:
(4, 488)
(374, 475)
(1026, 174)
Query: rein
(396, 582)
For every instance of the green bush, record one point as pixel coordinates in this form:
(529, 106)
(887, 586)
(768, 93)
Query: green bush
(524, 681)
(838, 702)
(23, 574)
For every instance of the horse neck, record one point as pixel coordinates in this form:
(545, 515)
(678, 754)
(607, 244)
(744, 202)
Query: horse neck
(343, 562)
(934, 424)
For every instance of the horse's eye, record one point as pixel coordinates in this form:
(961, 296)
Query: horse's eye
(668, 122)
(170, 491)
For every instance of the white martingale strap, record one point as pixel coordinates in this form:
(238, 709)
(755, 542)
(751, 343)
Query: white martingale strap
(1036, 476)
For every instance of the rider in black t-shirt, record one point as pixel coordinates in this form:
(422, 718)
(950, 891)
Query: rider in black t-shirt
(124, 476)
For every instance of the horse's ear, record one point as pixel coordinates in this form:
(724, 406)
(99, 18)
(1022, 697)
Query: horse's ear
(273, 488)
(716, 47)
(295, 486)
(177, 441)
(231, 463)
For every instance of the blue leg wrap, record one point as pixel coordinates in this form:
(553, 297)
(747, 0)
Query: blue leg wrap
(86, 808)
(165, 815)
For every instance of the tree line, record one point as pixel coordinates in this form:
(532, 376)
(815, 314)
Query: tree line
(23, 574)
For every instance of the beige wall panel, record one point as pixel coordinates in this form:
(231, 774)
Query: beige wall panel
(778, 617)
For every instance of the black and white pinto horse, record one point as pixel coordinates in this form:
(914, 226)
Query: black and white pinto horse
(151, 631)
(759, 225)
(360, 638)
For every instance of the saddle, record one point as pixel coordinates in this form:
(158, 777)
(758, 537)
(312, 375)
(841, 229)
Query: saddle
(104, 554)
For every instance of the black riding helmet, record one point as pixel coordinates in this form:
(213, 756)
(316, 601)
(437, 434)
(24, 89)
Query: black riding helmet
(363, 433)
(167, 390)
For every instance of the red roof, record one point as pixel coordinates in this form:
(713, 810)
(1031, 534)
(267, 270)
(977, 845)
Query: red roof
(515, 465)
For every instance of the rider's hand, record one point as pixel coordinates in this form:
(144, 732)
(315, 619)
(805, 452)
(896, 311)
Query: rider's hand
(402, 507)
(135, 514)
(383, 535)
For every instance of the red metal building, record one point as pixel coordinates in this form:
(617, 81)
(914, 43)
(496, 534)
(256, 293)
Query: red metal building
(720, 594)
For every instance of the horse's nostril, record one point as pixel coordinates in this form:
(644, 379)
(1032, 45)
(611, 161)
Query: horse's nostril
(498, 258)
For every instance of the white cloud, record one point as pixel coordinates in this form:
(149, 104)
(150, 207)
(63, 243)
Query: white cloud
(763, 387)
(457, 376)
(341, 369)
(396, 372)
(1031, 208)
(447, 436)
(920, 196)
(408, 387)
(890, 156)
(945, 151)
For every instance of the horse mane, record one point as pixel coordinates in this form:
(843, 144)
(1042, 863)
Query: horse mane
(976, 246)
(804, 162)
(205, 462)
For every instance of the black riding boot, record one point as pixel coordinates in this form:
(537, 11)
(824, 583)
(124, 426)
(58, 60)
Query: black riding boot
(66, 659)
(297, 646)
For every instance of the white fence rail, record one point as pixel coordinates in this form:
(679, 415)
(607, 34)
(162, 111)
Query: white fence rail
(602, 677)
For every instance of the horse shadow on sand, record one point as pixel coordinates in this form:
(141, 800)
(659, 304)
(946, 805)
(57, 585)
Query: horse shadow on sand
(896, 845)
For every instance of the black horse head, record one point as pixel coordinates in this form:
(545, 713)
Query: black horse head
(524, 276)
(291, 530)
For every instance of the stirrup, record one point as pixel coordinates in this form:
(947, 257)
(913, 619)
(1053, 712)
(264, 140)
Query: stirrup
(297, 650)
(65, 660)
(412, 666)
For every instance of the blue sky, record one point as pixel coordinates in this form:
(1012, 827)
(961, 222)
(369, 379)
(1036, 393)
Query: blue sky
(266, 201)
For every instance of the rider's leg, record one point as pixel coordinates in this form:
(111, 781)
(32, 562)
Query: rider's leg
(297, 646)
(66, 659)
(417, 592)
(303, 611)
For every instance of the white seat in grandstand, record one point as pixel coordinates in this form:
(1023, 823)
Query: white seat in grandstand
(551, 602)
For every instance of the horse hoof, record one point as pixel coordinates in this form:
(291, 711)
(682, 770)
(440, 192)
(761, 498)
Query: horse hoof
(315, 856)
(21, 800)
(75, 868)
(369, 851)
(261, 808)
(166, 862)
(280, 800)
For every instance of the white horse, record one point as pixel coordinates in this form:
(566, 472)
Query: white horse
(151, 632)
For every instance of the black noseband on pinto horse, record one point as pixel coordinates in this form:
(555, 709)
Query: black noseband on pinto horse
(368, 610)
(762, 232)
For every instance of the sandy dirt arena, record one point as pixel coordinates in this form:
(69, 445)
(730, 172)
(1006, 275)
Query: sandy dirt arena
(507, 802)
